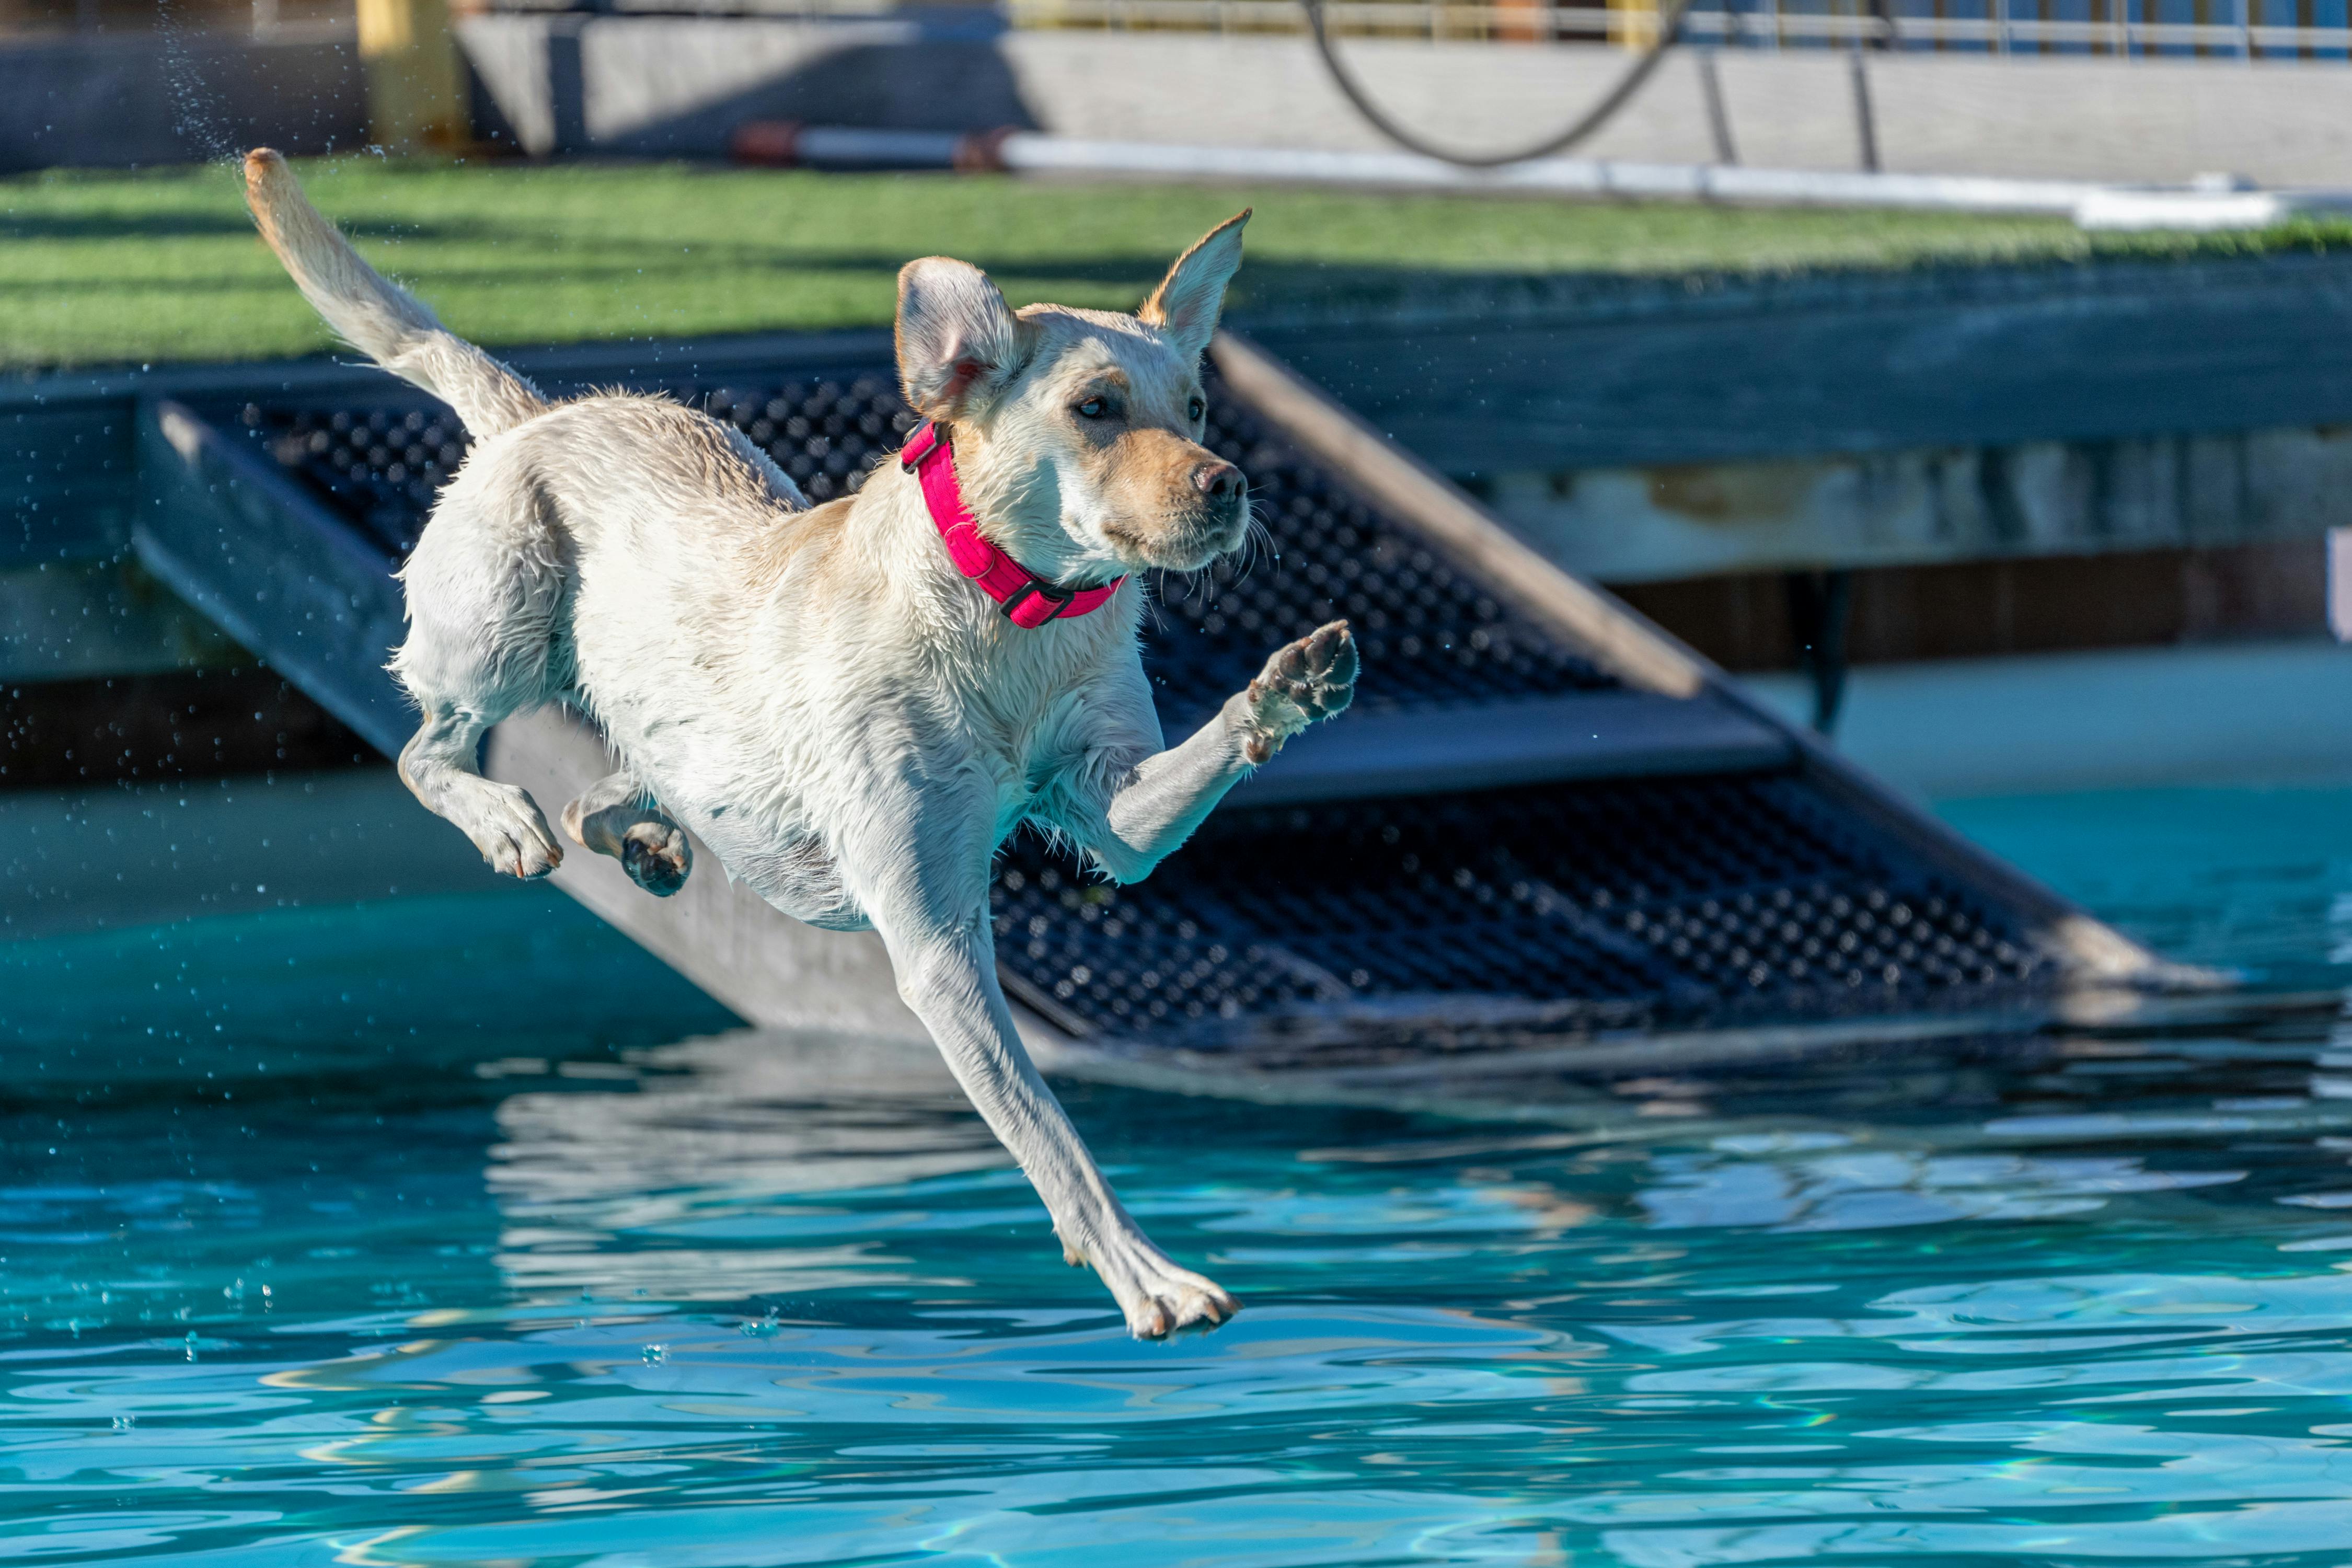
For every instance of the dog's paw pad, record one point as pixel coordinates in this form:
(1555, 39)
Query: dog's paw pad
(652, 850)
(1304, 683)
(656, 856)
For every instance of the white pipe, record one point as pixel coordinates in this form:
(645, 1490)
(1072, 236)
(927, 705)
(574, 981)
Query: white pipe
(1030, 153)
(2122, 207)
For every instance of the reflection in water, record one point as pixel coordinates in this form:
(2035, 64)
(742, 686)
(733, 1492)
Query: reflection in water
(1867, 1189)
(674, 1189)
(757, 1299)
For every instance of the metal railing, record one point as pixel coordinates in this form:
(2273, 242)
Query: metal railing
(2005, 27)
(2123, 28)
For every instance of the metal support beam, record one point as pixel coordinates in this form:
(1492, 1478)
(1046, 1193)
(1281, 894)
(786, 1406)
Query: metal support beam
(241, 542)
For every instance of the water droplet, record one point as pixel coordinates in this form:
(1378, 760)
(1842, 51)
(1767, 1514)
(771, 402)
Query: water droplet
(191, 1344)
(654, 1354)
(125, 1423)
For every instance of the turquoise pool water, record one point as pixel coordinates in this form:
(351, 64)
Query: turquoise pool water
(449, 1230)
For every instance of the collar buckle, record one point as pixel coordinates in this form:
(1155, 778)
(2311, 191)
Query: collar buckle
(925, 439)
(1037, 587)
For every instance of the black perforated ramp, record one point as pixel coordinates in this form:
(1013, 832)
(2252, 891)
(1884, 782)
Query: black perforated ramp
(1682, 903)
(1543, 820)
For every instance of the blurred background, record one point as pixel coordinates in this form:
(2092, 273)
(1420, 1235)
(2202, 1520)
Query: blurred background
(1978, 87)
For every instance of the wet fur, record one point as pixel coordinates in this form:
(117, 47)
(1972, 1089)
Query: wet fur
(845, 722)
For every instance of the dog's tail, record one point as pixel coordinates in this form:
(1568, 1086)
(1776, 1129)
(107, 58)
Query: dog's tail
(380, 320)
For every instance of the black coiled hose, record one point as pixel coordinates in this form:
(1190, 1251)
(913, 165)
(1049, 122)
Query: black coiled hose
(1670, 23)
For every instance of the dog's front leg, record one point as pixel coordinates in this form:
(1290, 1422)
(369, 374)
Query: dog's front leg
(931, 909)
(948, 976)
(1155, 806)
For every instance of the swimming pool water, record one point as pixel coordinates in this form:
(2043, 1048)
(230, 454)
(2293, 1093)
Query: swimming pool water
(452, 1230)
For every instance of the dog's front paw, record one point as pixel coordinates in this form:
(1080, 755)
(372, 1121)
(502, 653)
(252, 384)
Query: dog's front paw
(1156, 1297)
(1311, 679)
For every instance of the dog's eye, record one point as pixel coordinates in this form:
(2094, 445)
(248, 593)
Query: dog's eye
(1093, 408)
(1196, 408)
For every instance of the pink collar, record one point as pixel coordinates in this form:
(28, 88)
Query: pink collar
(1028, 599)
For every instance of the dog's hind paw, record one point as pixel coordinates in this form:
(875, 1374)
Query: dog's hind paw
(1308, 680)
(653, 849)
(656, 856)
(505, 825)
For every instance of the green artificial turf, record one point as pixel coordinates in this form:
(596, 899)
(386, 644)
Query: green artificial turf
(109, 268)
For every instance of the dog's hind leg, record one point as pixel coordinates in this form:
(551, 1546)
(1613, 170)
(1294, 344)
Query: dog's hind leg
(613, 818)
(486, 587)
(440, 767)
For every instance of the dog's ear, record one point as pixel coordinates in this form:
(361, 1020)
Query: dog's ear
(959, 344)
(1185, 305)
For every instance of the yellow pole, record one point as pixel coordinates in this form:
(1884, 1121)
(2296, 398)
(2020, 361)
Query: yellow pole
(415, 88)
(1633, 24)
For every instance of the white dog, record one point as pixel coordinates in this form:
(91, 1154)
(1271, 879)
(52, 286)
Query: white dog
(851, 704)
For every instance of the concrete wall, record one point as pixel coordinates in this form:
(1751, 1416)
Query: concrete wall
(175, 98)
(666, 85)
(2081, 118)
(2007, 606)
(676, 86)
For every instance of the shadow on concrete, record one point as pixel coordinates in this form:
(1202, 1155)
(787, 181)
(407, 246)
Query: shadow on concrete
(176, 99)
(920, 83)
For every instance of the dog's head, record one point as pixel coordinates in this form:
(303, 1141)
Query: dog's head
(1078, 432)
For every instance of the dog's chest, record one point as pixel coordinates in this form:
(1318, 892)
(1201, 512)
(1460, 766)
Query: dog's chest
(785, 839)
(1019, 748)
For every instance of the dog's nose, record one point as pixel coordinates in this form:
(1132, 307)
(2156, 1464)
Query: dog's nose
(1218, 481)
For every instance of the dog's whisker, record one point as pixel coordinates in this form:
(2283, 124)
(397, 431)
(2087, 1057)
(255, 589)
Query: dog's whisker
(1257, 538)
